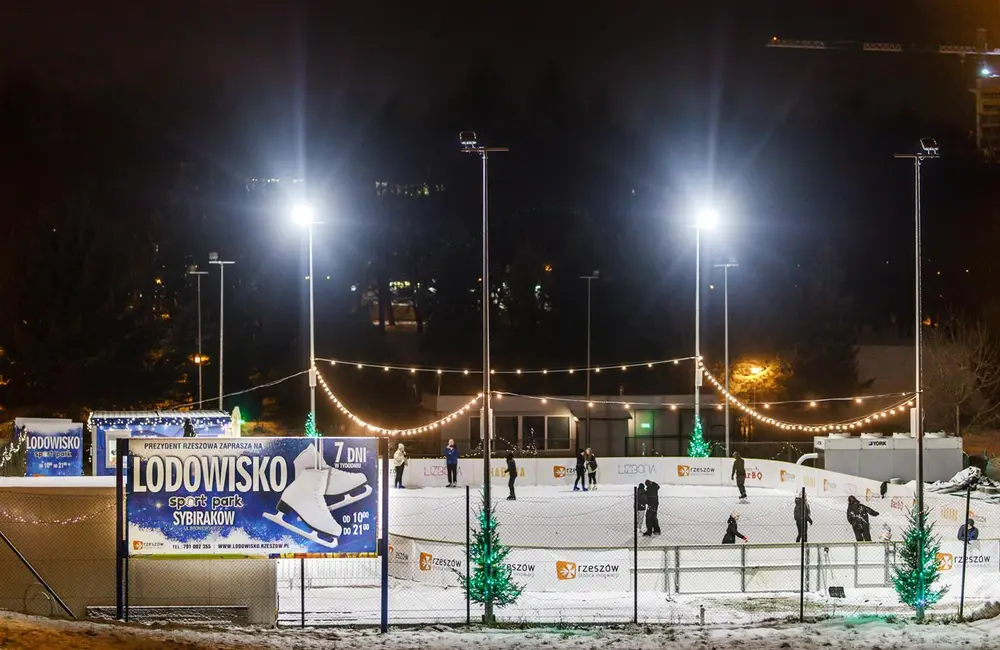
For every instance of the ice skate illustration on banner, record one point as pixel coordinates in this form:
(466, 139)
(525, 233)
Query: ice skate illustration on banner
(305, 498)
(339, 483)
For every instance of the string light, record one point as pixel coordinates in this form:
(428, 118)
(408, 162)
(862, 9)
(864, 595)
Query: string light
(497, 371)
(412, 431)
(898, 407)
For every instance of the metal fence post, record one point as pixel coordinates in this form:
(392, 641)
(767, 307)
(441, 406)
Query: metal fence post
(119, 532)
(804, 523)
(302, 592)
(635, 556)
(965, 552)
(384, 623)
(468, 561)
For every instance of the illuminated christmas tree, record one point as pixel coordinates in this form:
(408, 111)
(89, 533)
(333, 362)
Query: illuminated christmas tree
(311, 426)
(698, 447)
(490, 580)
(916, 569)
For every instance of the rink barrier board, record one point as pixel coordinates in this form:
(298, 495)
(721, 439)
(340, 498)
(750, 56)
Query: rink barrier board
(947, 509)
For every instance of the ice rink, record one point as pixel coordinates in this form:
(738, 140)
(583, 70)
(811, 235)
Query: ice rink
(553, 521)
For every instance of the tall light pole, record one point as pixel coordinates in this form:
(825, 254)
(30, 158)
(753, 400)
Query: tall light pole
(198, 360)
(470, 144)
(929, 150)
(302, 214)
(589, 278)
(707, 218)
(725, 291)
(213, 258)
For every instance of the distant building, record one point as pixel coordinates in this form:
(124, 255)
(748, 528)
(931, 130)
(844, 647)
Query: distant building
(987, 93)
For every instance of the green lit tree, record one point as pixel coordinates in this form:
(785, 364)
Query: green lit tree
(490, 580)
(916, 570)
(311, 426)
(698, 447)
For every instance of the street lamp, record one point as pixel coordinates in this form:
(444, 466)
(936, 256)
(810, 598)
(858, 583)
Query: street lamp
(725, 290)
(213, 258)
(193, 270)
(929, 151)
(707, 218)
(589, 278)
(470, 144)
(304, 215)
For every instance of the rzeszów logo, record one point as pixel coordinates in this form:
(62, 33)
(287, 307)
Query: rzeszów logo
(571, 570)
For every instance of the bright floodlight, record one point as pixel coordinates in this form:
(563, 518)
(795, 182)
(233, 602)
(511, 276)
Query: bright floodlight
(302, 214)
(707, 218)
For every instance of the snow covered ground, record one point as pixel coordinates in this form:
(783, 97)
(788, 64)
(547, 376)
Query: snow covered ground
(546, 520)
(19, 632)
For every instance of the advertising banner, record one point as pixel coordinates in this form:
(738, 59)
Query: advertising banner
(254, 497)
(982, 563)
(699, 471)
(54, 449)
(107, 430)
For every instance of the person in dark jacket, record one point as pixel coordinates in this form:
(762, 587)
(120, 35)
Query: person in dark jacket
(652, 505)
(803, 519)
(968, 531)
(739, 473)
(451, 462)
(640, 505)
(512, 475)
(581, 476)
(591, 461)
(732, 532)
(857, 516)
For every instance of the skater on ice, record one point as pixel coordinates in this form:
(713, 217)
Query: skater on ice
(398, 464)
(640, 505)
(732, 532)
(968, 531)
(512, 475)
(857, 516)
(803, 519)
(581, 477)
(652, 505)
(451, 462)
(591, 461)
(740, 474)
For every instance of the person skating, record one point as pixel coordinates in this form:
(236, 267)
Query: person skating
(652, 505)
(857, 516)
(581, 477)
(640, 505)
(803, 519)
(732, 532)
(398, 464)
(968, 531)
(451, 462)
(591, 461)
(512, 474)
(739, 473)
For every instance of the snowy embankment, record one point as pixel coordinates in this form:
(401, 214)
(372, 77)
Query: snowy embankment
(18, 631)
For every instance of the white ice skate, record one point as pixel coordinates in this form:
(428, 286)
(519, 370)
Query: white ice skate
(339, 483)
(305, 498)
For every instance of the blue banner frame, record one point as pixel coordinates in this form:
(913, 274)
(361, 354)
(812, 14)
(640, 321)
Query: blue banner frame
(54, 450)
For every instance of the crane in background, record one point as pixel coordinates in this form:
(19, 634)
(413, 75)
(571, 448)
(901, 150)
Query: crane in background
(986, 89)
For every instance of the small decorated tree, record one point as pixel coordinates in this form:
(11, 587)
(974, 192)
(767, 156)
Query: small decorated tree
(311, 426)
(916, 568)
(490, 580)
(699, 447)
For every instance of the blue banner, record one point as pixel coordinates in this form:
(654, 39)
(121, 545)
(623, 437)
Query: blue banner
(107, 430)
(252, 497)
(54, 449)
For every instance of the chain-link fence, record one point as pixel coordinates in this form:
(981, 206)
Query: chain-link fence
(705, 556)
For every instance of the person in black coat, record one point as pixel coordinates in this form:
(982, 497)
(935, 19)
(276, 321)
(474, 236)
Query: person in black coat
(857, 516)
(640, 505)
(512, 475)
(652, 505)
(732, 532)
(739, 473)
(581, 469)
(803, 519)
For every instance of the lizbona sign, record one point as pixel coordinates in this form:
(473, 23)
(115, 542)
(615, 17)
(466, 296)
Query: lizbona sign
(636, 469)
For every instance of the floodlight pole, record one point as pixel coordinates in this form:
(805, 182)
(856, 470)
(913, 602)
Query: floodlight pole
(222, 295)
(725, 290)
(199, 361)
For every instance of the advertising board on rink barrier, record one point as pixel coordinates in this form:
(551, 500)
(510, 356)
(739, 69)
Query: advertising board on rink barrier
(251, 497)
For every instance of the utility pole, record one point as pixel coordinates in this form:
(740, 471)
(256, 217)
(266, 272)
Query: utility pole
(725, 284)
(589, 278)
(198, 360)
(213, 258)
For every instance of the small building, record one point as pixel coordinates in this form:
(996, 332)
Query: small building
(883, 458)
(620, 425)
